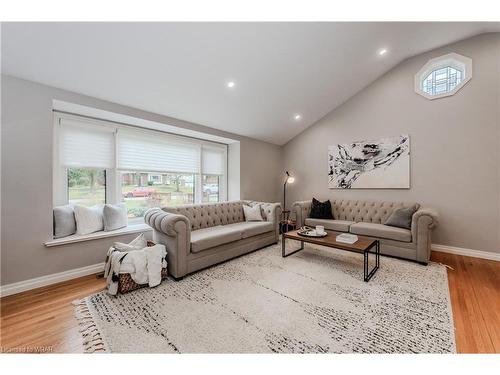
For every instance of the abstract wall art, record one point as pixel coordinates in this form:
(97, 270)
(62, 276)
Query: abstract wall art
(383, 163)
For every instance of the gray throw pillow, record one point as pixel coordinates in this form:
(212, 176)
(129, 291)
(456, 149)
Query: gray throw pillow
(114, 216)
(401, 217)
(64, 221)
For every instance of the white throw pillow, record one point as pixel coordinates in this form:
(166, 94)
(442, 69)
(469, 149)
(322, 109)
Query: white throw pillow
(114, 216)
(88, 219)
(253, 213)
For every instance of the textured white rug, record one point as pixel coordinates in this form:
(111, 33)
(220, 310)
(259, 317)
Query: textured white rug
(314, 301)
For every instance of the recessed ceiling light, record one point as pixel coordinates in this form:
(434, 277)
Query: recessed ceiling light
(382, 52)
(231, 84)
(297, 117)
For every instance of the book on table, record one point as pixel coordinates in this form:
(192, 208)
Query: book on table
(347, 238)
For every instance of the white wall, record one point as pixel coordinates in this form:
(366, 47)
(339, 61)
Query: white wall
(26, 213)
(455, 142)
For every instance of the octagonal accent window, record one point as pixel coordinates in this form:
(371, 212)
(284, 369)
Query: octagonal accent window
(443, 76)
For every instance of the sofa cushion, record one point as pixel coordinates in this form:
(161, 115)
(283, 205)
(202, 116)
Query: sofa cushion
(382, 231)
(254, 228)
(206, 238)
(338, 225)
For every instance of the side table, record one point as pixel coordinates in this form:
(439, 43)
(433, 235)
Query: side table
(287, 225)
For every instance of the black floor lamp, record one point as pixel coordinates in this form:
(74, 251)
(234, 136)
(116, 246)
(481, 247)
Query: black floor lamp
(288, 179)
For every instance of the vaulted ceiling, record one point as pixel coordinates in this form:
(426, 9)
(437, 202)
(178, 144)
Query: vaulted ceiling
(181, 70)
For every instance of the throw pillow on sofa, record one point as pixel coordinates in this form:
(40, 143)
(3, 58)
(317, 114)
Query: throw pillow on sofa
(88, 219)
(401, 217)
(64, 221)
(253, 213)
(114, 216)
(321, 210)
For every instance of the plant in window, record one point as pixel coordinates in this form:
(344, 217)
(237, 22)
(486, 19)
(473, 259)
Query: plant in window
(443, 76)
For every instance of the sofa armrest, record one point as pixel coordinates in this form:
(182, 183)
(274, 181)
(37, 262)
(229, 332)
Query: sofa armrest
(272, 212)
(423, 221)
(173, 231)
(165, 222)
(424, 218)
(301, 211)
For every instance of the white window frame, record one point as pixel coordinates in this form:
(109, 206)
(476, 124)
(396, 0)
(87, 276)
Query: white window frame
(113, 175)
(454, 60)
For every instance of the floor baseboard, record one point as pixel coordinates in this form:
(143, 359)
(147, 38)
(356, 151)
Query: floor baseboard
(22, 286)
(466, 252)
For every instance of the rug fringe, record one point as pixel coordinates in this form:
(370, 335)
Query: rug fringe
(447, 266)
(92, 338)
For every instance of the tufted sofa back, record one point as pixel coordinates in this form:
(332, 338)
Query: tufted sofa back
(210, 214)
(358, 210)
(367, 211)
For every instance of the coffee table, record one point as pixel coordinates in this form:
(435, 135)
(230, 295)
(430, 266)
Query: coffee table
(363, 245)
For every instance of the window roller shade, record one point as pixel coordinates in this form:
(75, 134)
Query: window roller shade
(156, 152)
(214, 160)
(85, 146)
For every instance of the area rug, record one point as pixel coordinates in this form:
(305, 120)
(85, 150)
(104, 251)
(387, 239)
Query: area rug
(314, 301)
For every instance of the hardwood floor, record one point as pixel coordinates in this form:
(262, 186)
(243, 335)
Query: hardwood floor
(475, 299)
(41, 320)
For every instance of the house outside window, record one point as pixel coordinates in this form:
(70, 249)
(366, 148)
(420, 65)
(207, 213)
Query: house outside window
(141, 192)
(154, 178)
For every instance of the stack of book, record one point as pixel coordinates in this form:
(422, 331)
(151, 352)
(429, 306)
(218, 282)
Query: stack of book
(347, 238)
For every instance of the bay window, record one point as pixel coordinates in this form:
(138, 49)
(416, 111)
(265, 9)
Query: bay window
(99, 162)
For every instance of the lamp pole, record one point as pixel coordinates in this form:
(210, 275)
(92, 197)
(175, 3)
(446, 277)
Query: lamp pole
(284, 190)
(289, 179)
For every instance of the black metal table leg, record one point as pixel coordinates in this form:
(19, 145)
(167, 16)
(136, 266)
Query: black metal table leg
(283, 253)
(368, 275)
(282, 244)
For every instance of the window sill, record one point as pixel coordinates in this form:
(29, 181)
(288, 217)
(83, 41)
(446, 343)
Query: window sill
(136, 228)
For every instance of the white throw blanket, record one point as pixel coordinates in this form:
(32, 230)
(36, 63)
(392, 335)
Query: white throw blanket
(144, 266)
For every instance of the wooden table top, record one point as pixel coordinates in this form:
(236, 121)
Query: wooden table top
(360, 246)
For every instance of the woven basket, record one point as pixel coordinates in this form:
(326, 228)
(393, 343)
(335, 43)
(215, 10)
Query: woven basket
(126, 284)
